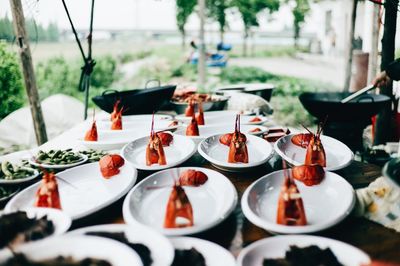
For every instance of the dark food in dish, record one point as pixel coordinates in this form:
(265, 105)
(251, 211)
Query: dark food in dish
(17, 227)
(6, 192)
(185, 257)
(57, 157)
(9, 171)
(141, 250)
(307, 256)
(22, 260)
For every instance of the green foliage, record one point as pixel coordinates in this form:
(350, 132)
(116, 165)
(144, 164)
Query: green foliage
(128, 57)
(36, 32)
(300, 11)
(58, 75)
(271, 51)
(216, 11)
(183, 10)
(11, 86)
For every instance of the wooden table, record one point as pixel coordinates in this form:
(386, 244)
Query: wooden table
(236, 231)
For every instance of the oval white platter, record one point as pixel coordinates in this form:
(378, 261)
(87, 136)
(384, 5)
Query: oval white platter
(143, 127)
(83, 190)
(213, 254)
(78, 247)
(275, 247)
(60, 219)
(112, 139)
(140, 118)
(180, 150)
(259, 150)
(58, 166)
(35, 173)
(162, 251)
(325, 204)
(212, 202)
(207, 131)
(338, 155)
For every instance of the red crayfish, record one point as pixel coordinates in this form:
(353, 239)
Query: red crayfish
(192, 178)
(115, 110)
(192, 129)
(178, 206)
(165, 137)
(116, 123)
(91, 134)
(200, 114)
(189, 111)
(47, 195)
(154, 150)
(110, 164)
(238, 148)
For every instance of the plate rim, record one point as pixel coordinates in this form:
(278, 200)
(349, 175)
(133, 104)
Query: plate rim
(160, 167)
(21, 180)
(59, 166)
(262, 241)
(293, 162)
(233, 166)
(93, 210)
(130, 220)
(283, 229)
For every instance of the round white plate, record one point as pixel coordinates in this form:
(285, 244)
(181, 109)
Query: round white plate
(112, 139)
(325, 204)
(180, 150)
(246, 119)
(58, 166)
(83, 190)
(214, 254)
(162, 251)
(259, 150)
(21, 180)
(210, 116)
(275, 247)
(60, 219)
(140, 118)
(338, 155)
(78, 247)
(207, 131)
(143, 127)
(211, 202)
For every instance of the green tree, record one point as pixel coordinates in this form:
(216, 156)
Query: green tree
(300, 11)
(11, 86)
(248, 10)
(6, 29)
(53, 33)
(184, 8)
(216, 11)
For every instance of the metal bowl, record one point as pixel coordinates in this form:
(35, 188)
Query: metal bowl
(218, 103)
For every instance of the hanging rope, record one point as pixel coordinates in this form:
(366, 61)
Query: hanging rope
(89, 63)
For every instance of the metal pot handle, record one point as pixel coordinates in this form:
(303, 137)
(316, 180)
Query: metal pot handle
(365, 97)
(152, 80)
(106, 92)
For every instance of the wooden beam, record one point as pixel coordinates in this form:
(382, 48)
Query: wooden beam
(350, 47)
(201, 66)
(383, 125)
(373, 55)
(28, 72)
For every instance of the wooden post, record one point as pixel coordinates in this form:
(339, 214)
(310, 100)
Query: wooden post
(373, 56)
(28, 72)
(383, 128)
(201, 66)
(349, 62)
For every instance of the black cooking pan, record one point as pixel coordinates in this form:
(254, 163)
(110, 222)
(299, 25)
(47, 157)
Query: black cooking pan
(138, 101)
(321, 104)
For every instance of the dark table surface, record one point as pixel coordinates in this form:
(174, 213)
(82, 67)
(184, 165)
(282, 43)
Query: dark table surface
(236, 231)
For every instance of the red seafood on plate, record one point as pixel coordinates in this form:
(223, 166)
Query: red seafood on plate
(116, 123)
(192, 129)
(309, 174)
(255, 119)
(190, 108)
(192, 178)
(154, 150)
(200, 114)
(115, 110)
(276, 133)
(178, 206)
(91, 134)
(165, 137)
(238, 149)
(47, 195)
(110, 164)
(254, 130)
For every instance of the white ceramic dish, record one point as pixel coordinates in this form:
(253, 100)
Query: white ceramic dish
(143, 127)
(58, 166)
(112, 139)
(207, 131)
(180, 150)
(60, 219)
(259, 150)
(325, 204)
(78, 247)
(140, 118)
(162, 251)
(214, 254)
(211, 202)
(275, 247)
(34, 174)
(224, 117)
(338, 155)
(83, 190)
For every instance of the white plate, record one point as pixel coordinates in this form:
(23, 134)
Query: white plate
(180, 150)
(259, 150)
(83, 190)
(207, 131)
(275, 247)
(140, 118)
(60, 219)
(325, 204)
(210, 116)
(246, 119)
(214, 254)
(143, 127)
(58, 166)
(78, 247)
(112, 139)
(338, 155)
(224, 117)
(21, 180)
(211, 202)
